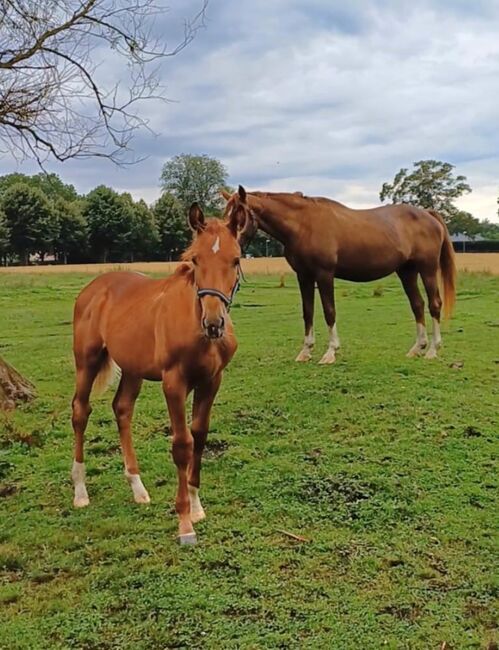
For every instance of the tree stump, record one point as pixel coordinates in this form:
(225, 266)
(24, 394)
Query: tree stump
(14, 388)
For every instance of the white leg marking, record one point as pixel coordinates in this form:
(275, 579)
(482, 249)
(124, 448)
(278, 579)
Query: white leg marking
(421, 341)
(78, 475)
(308, 345)
(334, 338)
(334, 344)
(197, 511)
(436, 341)
(140, 494)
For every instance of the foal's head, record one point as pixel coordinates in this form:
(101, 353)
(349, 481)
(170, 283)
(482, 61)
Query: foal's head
(215, 256)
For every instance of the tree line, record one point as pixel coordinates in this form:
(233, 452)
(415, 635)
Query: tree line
(41, 216)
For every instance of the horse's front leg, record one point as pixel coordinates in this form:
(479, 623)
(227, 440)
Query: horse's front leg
(307, 288)
(325, 283)
(175, 389)
(204, 396)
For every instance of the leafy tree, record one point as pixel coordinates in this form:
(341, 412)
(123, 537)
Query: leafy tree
(31, 220)
(431, 185)
(489, 229)
(110, 222)
(461, 221)
(72, 232)
(144, 238)
(4, 236)
(50, 184)
(195, 178)
(171, 222)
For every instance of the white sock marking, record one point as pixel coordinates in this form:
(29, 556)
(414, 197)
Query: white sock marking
(197, 511)
(78, 475)
(140, 493)
(436, 340)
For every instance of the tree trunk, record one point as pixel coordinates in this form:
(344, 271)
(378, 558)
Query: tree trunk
(14, 387)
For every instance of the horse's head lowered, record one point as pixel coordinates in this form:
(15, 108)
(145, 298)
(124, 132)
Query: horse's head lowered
(215, 256)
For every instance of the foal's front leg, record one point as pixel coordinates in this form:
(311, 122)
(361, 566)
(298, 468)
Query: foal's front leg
(204, 396)
(175, 389)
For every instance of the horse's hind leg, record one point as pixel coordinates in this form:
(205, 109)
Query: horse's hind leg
(325, 283)
(123, 405)
(409, 279)
(430, 282)
(85, 376)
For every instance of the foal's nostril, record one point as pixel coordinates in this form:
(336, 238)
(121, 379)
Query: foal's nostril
(213, 331)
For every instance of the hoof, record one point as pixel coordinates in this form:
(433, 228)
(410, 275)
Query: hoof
(303, 357)
(142, 498)
(187, 540)
(415, 352)
(328, 358)
(81, 502)
(198, 515)
(431, 354)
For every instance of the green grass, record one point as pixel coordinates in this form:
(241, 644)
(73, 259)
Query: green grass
(385, 464)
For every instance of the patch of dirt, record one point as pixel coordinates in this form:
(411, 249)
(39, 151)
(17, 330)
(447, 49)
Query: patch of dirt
(215, 448)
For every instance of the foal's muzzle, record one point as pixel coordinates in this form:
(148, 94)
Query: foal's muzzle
(214, 329)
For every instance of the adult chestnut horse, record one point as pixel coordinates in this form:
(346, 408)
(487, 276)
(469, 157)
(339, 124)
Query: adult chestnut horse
(324, 240)
(175, 330)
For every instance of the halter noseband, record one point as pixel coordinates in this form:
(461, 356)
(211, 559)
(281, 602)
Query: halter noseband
(227, 300)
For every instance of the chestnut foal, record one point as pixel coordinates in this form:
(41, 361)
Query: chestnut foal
(175, 330)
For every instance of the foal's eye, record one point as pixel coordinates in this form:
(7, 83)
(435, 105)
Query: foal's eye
(194, 260)
(237, 261)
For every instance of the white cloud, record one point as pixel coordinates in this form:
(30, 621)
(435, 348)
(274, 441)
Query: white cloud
(328, 98)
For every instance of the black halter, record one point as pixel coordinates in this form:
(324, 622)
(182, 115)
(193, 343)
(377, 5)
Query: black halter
(227, 300)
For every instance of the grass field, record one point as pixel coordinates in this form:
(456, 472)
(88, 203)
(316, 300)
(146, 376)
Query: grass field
(384, 465)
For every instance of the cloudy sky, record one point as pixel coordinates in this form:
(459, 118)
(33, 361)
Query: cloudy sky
(323, 96)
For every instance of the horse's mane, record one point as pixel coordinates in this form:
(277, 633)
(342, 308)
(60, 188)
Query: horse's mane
(294, 199)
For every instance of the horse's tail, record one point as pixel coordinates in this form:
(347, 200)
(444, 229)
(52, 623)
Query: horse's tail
(448, 270)
(108, 372)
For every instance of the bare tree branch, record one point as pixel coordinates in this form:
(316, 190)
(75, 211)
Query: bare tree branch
(54, 100)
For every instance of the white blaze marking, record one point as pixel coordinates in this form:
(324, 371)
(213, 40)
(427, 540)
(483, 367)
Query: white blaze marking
(216, 245)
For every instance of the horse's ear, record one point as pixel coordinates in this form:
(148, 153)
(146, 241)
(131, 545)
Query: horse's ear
(226, 195)
(242, 224)
(242, 193)
(196, 218)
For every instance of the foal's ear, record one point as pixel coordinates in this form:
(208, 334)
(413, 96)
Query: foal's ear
(226, 195)
(196, 218)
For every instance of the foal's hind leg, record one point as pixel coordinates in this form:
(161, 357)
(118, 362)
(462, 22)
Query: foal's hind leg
(123, 405)
(430, 282)
(85, 376)
(409, 279)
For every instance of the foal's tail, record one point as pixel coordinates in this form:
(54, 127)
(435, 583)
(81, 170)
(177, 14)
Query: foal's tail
(448, 269)
(108, 372)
